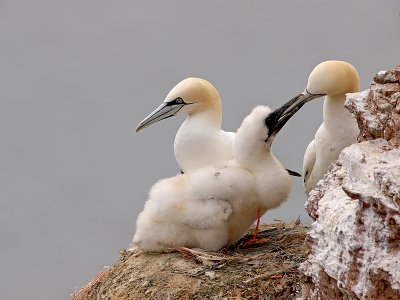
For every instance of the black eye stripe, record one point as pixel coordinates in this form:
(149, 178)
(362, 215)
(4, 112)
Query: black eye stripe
(177, 101)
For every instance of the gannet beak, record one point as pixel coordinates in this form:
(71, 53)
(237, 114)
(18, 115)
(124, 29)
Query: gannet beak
(278, 118)
(307, 96)
(165, 110)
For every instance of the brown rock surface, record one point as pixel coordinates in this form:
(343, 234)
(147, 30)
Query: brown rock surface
(268, 270)
(377, 109)
(355, 239)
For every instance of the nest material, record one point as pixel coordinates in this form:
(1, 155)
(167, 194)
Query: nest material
(265, 270)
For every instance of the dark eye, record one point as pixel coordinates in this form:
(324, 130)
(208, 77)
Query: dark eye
(178, 100)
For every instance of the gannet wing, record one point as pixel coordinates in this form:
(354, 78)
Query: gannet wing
(293, 173)
(206, 213)
(308, 162)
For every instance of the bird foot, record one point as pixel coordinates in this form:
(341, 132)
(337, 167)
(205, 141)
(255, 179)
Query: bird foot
(254, 239)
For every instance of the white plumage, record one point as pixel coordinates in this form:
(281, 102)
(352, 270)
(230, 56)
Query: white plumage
(215, 205)
(339, 128)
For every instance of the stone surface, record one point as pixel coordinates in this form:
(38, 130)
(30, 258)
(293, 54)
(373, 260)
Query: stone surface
(377, 109)
(354, 241)
(266, 270)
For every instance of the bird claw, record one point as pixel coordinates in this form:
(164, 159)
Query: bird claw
(254, 240)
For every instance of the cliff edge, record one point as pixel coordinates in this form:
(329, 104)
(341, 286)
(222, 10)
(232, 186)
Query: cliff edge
(354, 241)
(266, 270)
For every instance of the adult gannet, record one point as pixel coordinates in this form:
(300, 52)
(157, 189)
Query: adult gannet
(200, 140)
(339, 128)
(211, 207)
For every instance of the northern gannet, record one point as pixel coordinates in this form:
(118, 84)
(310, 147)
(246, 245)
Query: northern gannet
(200, 136)
(211, 207)
(339, 128)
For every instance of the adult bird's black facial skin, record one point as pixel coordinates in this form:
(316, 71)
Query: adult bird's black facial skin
(164, 111)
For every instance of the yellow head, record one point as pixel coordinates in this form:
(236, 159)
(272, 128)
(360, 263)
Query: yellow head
(333, 77)
(197, 93)
(190, 96)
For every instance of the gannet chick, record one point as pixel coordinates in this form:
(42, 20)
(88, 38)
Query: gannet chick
(200, 140)
(339, 128)
(211, 207)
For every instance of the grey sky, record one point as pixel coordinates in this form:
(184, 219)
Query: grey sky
(77, 76)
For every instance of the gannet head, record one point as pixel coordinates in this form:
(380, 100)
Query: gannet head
(332, 77)
(190, 96)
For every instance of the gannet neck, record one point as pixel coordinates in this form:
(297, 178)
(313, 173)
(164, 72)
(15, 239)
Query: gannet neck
(249, 146)
(200, 141)
(208, 116)
(334, 112)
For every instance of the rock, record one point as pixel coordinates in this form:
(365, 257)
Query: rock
(354, 241)
(266, 270)
(377, 109)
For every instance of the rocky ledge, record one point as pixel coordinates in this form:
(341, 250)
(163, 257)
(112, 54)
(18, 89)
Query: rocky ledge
(265, 270)
(355, 240)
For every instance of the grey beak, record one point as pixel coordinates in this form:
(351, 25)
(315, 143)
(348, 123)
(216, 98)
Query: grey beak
(165, 110)
(306, 96)
(278, 118)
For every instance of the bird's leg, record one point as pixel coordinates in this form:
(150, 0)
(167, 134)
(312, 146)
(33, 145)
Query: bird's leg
(254, 238)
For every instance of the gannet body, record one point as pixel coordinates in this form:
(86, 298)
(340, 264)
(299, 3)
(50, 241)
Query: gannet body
(211, 207)
(200, 134)
(339, 128)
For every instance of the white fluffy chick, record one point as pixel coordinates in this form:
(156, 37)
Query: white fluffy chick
(214, 206)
